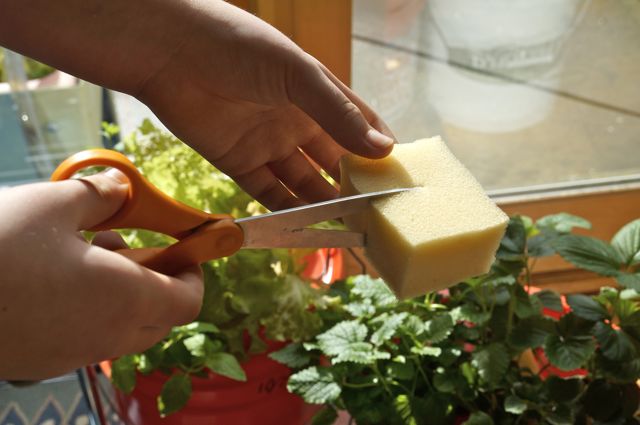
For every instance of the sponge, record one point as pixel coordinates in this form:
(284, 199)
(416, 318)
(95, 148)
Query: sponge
(444, 231)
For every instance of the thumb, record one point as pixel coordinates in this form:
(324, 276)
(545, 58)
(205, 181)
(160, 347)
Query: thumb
(345, 117)
(93, 199)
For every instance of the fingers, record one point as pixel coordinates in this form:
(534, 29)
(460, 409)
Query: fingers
(325, 153)
(86, 202)
(109, 240)
(313, 90)
(263, 185)
(301, 178)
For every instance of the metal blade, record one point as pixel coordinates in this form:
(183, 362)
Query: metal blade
(266, 230)
(307, 238)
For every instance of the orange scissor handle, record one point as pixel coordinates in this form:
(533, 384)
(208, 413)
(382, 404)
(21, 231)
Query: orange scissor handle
(202, 236)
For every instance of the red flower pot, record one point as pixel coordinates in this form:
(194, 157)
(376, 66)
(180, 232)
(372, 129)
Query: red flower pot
(262, 399)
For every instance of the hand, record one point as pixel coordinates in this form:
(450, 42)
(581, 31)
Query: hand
(225, 82)
(258, 107)
(65, 303)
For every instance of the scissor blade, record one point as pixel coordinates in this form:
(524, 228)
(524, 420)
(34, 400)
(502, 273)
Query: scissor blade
(306, 238)
(263, 230)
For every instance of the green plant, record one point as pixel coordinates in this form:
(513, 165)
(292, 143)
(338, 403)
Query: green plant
(248, 296)
(33, 68)
(460, 355)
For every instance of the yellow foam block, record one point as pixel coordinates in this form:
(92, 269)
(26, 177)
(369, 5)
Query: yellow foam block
(429, 238)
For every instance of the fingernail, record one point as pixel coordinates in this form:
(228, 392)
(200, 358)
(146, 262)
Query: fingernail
(378, 140)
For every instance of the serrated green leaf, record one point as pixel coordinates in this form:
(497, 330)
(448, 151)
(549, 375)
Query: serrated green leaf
(513, 243)
(293, 355)
(374, 289)
(588, 253)
(413, 325)
(531, 332)
(342, 337)
(227, 365)
(360, 352)
(402, 405)
(123, 373)
(326, 416)
(390, 324)
(471, 313)
(586, 307)
(315, 385)
(563, 222)
(514, 404)
(550, 300)
(615, 345)
(175, 394)
(492, 362)
(361, 308)
(627, 242)
(439, 327)
(568, 353)
(479, 418)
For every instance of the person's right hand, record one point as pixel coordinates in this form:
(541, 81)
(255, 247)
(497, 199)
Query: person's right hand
(65, 303)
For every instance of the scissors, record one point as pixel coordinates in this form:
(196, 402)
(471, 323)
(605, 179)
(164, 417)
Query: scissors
(202, 236)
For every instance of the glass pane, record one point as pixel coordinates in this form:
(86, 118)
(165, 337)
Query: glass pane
(45, 115)
(525, 92)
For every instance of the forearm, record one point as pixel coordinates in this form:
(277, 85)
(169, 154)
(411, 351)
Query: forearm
(115, 43)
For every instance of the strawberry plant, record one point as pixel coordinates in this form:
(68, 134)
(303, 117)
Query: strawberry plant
(484, 351)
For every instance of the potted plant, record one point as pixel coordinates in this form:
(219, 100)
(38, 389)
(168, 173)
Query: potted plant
(490, 350)
(64, 115)
(216, 370)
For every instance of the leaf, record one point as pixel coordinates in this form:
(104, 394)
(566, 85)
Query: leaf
(413, 325)
(345, 342)
(513, 243)
(627, 242)
(326, 416)
(123, 373)
(426, 351)
(615, 345)
(479, 418)
(439, 327)
(514, 404)
(227, 365)
(361, 308)
(402, 371)
(629, 280)
(390, 323)
(550, 300)
(201, 327)
(588, 253)
(526, 305)
(293, 355)
(197, 345)
(374, 289)
(315, 385)
(569, 353)
(151, 359)
(402, 405)
(586, 307)
(563, 222)
(531, 332)
(563, 390)
(492, 362)
(175, 394)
